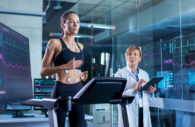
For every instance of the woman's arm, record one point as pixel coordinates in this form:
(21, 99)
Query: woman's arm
(133, 91)
(47, 59)
(84, 75)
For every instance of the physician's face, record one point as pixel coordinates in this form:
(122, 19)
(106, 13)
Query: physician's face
(133, 58)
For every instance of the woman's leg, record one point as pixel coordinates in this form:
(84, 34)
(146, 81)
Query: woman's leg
(60, 112)
(76, 116)
(61, 117)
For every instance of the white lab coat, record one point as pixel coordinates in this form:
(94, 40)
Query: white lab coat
(132, 109)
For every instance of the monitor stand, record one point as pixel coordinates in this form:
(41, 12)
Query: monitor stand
(20, 114)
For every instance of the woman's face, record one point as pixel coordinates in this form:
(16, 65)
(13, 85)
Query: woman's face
(133, 58)
(72, 24)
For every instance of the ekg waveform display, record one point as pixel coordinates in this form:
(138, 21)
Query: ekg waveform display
(15, 72)
(167, 56)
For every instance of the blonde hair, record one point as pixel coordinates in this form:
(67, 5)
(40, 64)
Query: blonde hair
(133, 48)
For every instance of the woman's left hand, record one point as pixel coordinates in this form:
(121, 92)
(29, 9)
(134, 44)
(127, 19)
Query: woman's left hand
(151, 89)
(84, 75)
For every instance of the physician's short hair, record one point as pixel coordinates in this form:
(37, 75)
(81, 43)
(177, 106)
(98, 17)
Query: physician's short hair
(133, 48)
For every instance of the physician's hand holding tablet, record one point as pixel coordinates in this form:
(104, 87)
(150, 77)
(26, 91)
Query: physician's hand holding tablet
(151, 85)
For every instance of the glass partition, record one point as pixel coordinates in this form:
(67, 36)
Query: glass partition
(164, 30)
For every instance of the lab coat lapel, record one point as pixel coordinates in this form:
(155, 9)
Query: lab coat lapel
(131, 74)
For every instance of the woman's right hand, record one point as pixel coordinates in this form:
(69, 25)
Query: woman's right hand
(139, 84)
(72, 64)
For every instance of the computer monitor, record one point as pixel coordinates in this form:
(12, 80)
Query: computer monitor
(167, 82)
(43, 89)
(15, 72)
(43, 86)
(17, 109)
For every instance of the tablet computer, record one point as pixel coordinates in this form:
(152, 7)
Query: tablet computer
(154, 80)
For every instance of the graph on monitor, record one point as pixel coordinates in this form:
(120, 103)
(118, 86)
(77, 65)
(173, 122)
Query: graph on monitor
(15, 72)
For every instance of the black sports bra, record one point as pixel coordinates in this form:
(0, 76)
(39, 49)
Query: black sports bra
(66, 55)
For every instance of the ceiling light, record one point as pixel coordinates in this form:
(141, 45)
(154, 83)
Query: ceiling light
(98, 26)
(76, 36)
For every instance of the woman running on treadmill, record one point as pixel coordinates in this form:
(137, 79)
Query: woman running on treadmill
(67, 56)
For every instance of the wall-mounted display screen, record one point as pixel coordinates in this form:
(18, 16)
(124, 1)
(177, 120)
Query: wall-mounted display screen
(15, 72)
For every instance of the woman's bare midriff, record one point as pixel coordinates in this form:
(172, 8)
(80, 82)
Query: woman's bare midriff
(69, 76)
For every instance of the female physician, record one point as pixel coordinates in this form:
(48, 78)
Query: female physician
(136, 78)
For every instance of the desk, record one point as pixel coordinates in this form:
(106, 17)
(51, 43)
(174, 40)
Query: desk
(6, 120)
